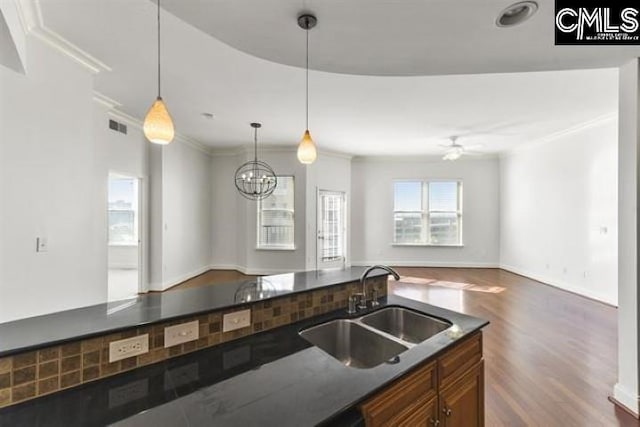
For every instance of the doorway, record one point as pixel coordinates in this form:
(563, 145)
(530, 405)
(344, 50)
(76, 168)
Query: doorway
(332, 229)
(124, 248)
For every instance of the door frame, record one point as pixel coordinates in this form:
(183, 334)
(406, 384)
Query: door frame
(143, 224)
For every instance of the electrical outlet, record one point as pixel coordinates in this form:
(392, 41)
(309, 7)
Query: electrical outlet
(129, 347)
(178, 334)
(236, 320)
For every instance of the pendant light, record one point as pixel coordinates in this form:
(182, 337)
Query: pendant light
(255, 180)
(307, 151)
(158, 126)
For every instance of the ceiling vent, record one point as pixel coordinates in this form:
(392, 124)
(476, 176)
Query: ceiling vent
(118, 127)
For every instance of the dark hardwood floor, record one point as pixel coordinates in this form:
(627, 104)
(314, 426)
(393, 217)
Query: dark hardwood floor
(211, 277)
(550, 356)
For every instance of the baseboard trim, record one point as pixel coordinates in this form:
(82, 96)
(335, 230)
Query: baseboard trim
(626, 400)
(434, 264)
(235, 267)
(123, 266)
(563, 286)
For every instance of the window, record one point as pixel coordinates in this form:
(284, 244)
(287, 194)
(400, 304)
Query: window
(123, 211)
(427, 212)
(276, 217)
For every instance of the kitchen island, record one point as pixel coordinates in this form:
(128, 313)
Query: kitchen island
(271, 378)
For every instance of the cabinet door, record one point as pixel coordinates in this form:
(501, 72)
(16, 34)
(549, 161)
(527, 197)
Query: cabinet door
(462, 403)
(401, 398)
(426, 415)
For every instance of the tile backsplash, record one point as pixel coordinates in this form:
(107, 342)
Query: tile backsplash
(36, 373)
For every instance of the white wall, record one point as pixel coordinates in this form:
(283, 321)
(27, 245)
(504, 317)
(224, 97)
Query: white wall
(559, 211)
(126, 154)
(186, 214)
(330, 172)
(227, 213)
(372, 212)
(627, 390)
(234, 217)
(51, 186)
(56, 152)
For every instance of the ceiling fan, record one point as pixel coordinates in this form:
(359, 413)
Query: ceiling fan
(455, 151)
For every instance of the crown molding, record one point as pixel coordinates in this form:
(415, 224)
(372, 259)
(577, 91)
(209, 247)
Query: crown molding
(114, 111)
(229, 151)
(559, 134)
(426, 158)
(243, 149)
(104, 100)
(336, 154)
(30, 15)
(195, 144)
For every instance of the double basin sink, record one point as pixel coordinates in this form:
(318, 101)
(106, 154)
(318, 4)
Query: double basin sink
(375, 338)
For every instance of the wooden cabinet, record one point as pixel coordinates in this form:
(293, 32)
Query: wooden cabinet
(462, 403)
(402, 398)
(425, 414)
(447, 392)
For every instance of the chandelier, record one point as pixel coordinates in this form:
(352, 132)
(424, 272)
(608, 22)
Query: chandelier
(255, 180)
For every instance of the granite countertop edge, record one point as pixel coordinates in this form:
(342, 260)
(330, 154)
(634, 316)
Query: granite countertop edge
(57, 328)
(308, 387)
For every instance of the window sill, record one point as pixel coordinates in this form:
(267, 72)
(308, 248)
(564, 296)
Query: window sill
(429, 245)
(275, 248)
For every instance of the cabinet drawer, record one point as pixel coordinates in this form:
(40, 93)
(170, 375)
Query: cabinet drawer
(456, 362)
(419, 385)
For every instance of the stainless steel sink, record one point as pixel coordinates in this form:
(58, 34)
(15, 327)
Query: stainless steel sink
(405, 324)
(353, 344)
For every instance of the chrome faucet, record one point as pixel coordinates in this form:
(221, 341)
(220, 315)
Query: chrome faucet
(363, 281)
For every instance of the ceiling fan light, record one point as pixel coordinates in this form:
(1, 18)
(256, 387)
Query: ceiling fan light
(158, 126)
(452, 155)
(307, 151)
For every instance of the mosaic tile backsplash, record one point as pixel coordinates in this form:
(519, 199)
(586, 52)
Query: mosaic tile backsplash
(30, 375)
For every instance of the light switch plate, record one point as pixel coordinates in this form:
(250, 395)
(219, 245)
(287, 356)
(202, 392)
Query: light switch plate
(236, 320)
(42, 245)
(178, 334)
(128, 347)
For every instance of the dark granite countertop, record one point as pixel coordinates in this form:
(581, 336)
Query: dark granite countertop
(42, 331)
(271, 378)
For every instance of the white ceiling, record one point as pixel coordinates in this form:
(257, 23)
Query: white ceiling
(395, 37)
(356, 114)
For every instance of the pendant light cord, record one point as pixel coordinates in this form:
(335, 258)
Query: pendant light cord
(255, 144)
(158, 48)
(307, 77)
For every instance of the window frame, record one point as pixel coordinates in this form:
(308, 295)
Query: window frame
(425, 212)
(271, 247)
